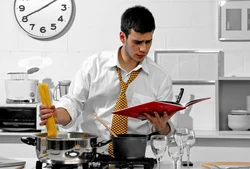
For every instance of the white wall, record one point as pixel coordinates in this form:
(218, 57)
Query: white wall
(181, 24)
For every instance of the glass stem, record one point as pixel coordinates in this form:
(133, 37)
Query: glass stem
(188, 155)
(159, 162)
(181, 160)
(175, 164)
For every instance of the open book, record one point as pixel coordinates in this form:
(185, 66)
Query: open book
(159, 106)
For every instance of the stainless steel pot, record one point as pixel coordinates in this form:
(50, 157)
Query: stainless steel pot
(66, 148)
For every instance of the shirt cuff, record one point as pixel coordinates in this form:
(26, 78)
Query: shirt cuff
(66, 105)
(172, 128)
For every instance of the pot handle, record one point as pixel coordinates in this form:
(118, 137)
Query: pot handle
(151, 134)
(29, 140)
(101, 143)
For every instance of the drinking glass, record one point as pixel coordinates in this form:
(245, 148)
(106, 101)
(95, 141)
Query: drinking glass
(158, 145)
(189, 144)
(181, 137)
(175, 151)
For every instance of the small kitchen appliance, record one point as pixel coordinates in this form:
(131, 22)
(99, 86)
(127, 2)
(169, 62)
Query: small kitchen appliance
(21, 110)
(63, 87)
(20, 117)
(21, 89)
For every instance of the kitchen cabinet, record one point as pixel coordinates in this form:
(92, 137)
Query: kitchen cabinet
(232, 95)
(201, 74)
(234, 20)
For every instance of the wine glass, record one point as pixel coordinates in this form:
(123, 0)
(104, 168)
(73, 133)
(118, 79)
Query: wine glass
(158, 145)
(181, 137)
(175, 151)
(189, 144)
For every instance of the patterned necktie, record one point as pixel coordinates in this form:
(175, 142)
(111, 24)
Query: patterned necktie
(120, 123)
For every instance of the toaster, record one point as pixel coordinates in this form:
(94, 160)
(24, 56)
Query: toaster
(23, 91)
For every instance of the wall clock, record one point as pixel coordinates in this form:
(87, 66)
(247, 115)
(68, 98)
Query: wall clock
(44, 19)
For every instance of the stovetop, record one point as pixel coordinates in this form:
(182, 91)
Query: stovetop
(104, 162)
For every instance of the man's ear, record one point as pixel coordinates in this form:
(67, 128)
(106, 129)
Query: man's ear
(122, 37)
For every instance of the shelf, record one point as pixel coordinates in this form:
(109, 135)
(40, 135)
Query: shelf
(234, 78)
(5, 133)
(223, 134)
(232, 95)
(194, 82)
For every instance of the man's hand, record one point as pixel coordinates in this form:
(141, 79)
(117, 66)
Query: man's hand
(45, 113)
(160, 123)
(61, 115)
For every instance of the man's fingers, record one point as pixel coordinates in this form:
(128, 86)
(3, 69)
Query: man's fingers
(148, 117)
(42, 123)
(45, 111)
(165, 115)
(42, 106)
(157, 115)
(46, 116)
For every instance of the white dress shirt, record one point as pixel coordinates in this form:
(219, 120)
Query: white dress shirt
(95, 88)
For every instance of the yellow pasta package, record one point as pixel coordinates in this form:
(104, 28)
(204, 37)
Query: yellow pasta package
(45, 98)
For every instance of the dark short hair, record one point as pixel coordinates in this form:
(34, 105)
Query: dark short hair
(138, 18)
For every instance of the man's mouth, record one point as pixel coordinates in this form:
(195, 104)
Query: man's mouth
(141, 56)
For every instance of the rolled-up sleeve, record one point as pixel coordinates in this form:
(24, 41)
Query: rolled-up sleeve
(74, 101)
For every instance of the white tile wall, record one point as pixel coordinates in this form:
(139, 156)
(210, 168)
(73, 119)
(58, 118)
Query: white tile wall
(201, 116)
(181, 24)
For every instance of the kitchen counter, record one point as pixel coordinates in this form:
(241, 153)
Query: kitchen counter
(31, 164)
(209, 146)
(199, 134)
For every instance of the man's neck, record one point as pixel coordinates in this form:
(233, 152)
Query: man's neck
(125, 61)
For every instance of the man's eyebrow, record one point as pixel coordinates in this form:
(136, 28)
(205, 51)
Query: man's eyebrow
(148, 40)
(138, 40)
(142, 40)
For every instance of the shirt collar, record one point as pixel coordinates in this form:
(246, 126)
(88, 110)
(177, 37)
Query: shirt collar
(113, 61)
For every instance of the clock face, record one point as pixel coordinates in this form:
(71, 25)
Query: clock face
(43, 19)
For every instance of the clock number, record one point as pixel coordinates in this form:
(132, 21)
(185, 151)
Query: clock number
(53, 26)
(32, 26)
(60, 18)
(64, 7)
(25, 19)
(43, 29)
(21, 8)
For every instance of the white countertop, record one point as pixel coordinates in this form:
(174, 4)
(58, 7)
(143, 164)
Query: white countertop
(31, 164)
(199, 134)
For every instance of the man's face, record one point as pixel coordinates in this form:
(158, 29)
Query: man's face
(137, 45)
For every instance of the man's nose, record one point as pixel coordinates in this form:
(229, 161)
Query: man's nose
(143, 47)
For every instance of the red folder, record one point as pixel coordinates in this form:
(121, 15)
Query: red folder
(159, 106)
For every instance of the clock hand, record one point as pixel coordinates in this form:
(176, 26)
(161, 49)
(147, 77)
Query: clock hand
(41, 8)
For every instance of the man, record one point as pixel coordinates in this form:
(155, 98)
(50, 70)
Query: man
(96, 86)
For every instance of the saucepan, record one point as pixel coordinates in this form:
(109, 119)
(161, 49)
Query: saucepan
(129, 146)
(78, 148)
